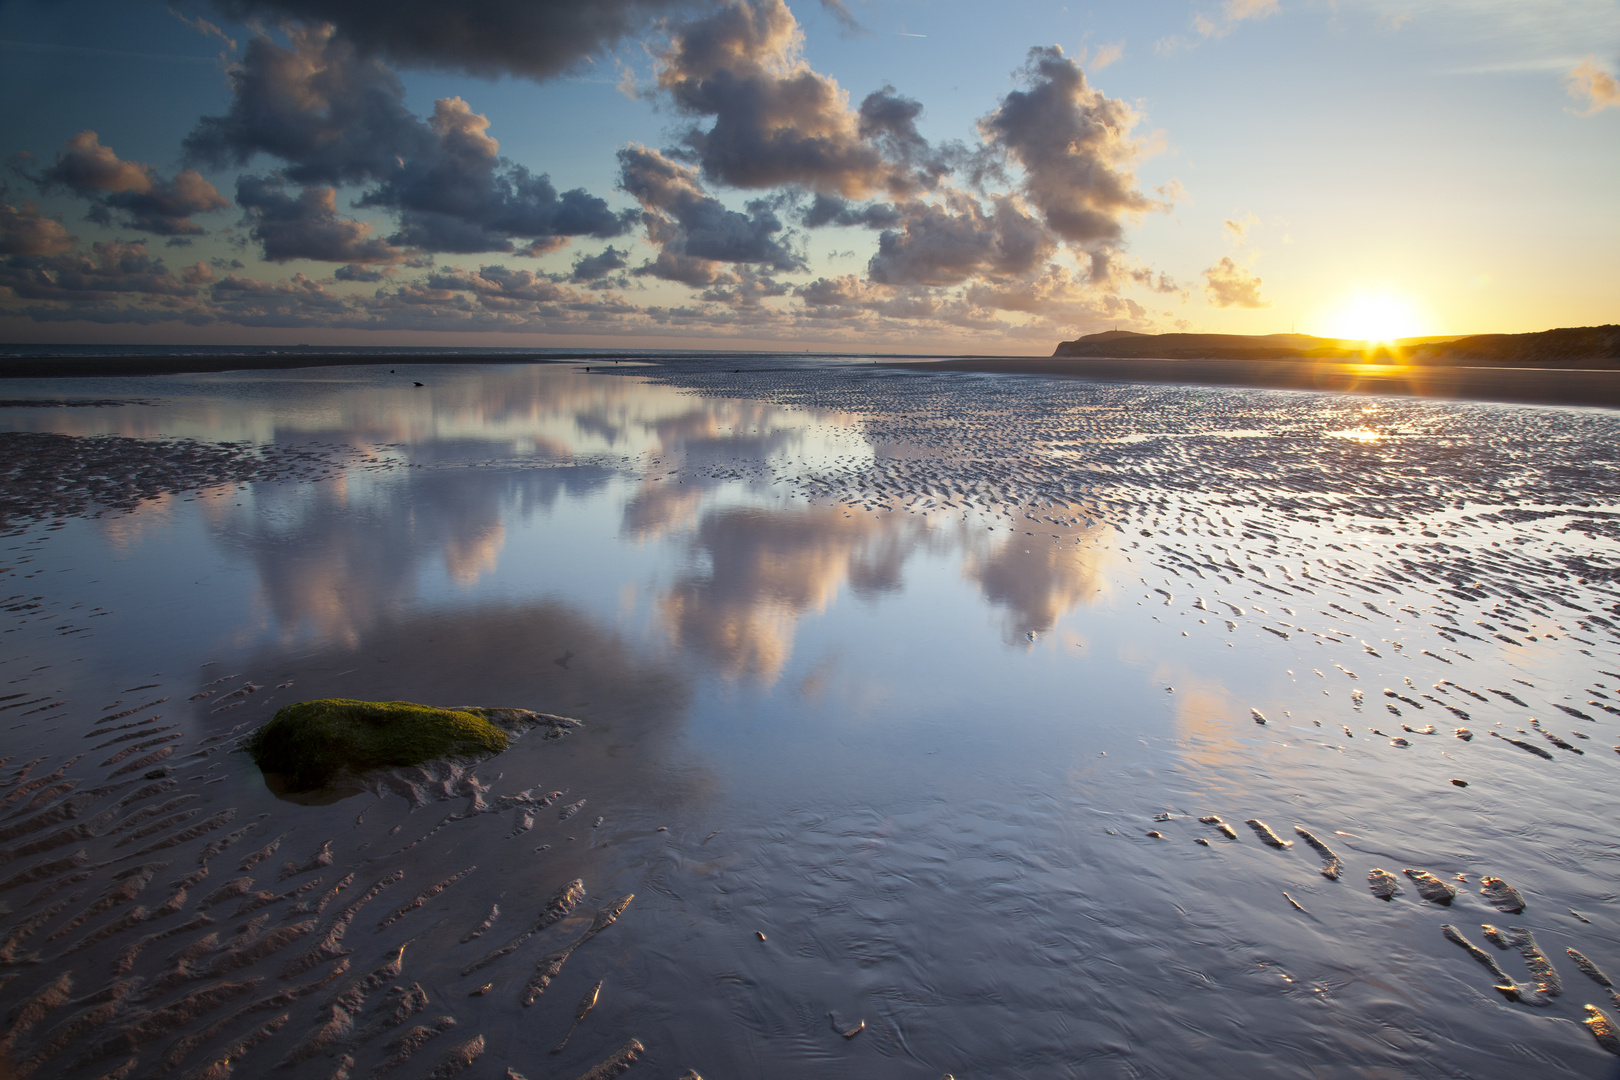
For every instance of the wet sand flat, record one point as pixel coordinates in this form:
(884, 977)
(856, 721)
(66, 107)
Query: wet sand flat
(1545, 386)
(928, 721)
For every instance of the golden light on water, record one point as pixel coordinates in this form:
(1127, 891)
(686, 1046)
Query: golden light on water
(1377, 318)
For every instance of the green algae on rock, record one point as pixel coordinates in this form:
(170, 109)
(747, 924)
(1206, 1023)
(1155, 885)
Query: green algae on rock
(312, 742)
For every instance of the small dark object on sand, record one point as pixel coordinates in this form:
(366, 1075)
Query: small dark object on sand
(1263, 831)
(1384, 885)
(1431, 888)
(1501, 895)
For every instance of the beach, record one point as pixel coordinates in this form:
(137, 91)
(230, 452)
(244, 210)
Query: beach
(1542, 386)
(961, 718)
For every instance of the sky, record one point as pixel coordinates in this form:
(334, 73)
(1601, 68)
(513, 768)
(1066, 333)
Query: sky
(882, 176)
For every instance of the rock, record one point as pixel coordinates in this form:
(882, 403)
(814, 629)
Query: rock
(313, 742)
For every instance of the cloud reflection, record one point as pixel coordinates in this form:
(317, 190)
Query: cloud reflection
(1035, 582)
(768, 568)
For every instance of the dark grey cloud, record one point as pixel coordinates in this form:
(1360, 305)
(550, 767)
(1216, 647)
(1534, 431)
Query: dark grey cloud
(500, 286)
(25, 231)
(358, 272)
(298, 301)
(776, 121)
(1075, 147)
(307, 225)
(948, 243)
(695, 232)
(112, 270)
(835, 210)
(533, 38)
(463, 197)
(588, 268)
(335, 116)
(331, 115)
(135, 192)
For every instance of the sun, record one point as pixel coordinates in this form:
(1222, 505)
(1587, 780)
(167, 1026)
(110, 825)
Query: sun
(1376, 318)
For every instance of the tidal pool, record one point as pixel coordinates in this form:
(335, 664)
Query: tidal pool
(901, 698)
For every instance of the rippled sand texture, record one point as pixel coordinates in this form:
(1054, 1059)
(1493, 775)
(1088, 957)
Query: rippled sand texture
(931, 723)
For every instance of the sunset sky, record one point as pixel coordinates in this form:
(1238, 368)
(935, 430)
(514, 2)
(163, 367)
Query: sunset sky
(892, 175)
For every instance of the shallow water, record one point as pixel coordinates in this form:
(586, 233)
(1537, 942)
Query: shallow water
(896, 669)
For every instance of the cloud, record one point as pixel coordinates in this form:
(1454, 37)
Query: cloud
(111, 270)
(463, 197)
(357, 272)
(1594, 87)
(1055, 292)
(776, 121)
(145, 200)
(307, 226)
(532, 38)
(300, 301)
(331, 115)
(334, 116)
(25, 231)
(1230, 285)
(949, 242)
(592, 268)
(1107, 56)
(205, 28)
(833, 210)
(1076, 150)
(1233, 12)
(1238, 228)
(695, 232)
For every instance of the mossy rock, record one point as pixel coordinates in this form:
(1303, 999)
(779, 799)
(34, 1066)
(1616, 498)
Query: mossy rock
(312, 742)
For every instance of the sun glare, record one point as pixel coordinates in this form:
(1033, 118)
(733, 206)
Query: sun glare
(1377, 318)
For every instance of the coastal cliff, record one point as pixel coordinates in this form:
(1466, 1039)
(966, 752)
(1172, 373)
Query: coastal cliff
(1596, 347)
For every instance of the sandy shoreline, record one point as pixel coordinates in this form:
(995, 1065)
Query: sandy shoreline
(1532, 386)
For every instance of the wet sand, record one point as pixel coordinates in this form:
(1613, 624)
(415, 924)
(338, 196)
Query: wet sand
(1020, 805)
(1543, 386)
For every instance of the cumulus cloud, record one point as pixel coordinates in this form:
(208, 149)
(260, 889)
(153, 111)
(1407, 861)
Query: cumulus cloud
(463, 197)
(595, 268)
(144, 200)
(331, 115)
(776, 120)
(307, 225)
(1230, 285)
(1076, 150)
(695, 232)
(1593, 87)
(949, 242)
(334, 116)
(25, 231)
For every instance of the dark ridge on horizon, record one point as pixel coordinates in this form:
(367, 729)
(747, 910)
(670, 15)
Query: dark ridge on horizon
(1586, 347)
